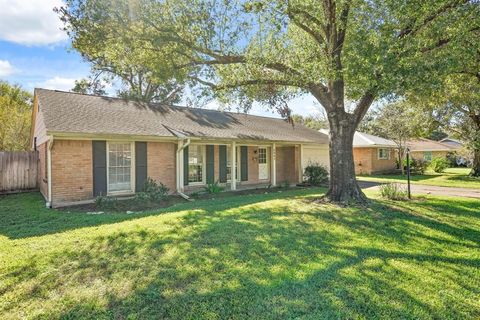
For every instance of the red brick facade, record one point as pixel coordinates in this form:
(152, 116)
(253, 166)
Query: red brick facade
(367, 162)
(72, 178)
(72, 172)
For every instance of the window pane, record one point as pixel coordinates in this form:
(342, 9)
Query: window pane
(119, 168)
(195, 161)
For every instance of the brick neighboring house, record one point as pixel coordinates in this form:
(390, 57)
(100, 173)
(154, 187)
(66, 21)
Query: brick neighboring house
(372, 154)
(94, 145)
(425, 149)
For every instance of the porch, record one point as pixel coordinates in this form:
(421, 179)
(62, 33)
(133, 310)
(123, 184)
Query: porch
(254, 166)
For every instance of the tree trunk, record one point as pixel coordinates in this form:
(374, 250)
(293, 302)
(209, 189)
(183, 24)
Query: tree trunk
(476, 164)
(343, 183)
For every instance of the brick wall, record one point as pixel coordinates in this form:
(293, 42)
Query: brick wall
(287, 168)
(42, 172)
(362, 158)
(367, 162)
(71, 171)
(435, 154)
(161, 160)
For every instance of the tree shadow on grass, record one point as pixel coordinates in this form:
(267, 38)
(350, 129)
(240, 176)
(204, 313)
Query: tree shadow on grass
(24, 215)
(271, 260)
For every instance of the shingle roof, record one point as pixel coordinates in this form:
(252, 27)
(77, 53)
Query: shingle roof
(68, 112)
(423, 144)
(361, 139)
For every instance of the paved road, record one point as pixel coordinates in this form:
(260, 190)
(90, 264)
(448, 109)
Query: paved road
(433, 190)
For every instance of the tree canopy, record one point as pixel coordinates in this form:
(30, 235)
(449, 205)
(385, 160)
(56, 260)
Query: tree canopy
(15, 117)
(345, 53)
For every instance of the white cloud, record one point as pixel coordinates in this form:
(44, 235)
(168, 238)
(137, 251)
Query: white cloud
(6, 68)
(58, 83)
(30, 22)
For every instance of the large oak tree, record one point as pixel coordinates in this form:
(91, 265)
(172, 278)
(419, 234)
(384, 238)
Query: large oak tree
(344, 53)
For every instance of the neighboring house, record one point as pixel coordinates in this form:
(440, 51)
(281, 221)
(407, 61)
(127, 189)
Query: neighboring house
(426, 149)
(93, 145)
(453, 143)
(372, 154)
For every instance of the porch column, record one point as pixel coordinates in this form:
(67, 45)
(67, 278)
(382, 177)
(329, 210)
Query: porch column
(233, 166)
(300, 164)
(274, 165)
(179, 167)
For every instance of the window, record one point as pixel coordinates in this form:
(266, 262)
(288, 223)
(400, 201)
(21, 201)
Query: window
(119, 157)
(262, 155)
(383, 154)
(195, 163)
(229, 163)
(427, 156)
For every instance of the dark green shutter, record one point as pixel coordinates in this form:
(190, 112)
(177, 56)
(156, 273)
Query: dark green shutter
(244, 163)
(140, 165)
(99, 157)
(210, 164)
(222, 152)
(185, 166)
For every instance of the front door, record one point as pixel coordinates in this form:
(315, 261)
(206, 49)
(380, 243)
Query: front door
(263, 169)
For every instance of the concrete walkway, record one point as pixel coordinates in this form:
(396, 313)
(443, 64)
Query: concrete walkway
(424, 189)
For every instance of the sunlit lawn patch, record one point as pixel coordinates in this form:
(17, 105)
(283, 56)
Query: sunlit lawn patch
(258, 256)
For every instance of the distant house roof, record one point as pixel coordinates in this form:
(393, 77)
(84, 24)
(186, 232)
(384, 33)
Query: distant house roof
(422, 144)
(453, 143)
(67, 112)
(361, 139)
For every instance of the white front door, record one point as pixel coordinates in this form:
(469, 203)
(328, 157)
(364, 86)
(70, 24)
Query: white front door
(263, 168)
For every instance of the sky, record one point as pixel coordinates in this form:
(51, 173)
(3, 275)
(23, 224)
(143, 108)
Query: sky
(36, 53)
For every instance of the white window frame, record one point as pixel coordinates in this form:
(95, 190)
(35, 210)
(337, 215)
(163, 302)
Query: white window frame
(204, 165)
(132, 169)
(387, 157)
(239, 160)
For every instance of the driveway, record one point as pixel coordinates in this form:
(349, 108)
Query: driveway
(424, 189)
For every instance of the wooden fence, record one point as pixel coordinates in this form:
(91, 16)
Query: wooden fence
(18, 171)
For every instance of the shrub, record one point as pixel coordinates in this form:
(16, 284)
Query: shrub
(439, 164)
(152, 191)
(316, 174)
(285, 184)
(417, 166)
(213, 188)
(393, 191)
(106, 203)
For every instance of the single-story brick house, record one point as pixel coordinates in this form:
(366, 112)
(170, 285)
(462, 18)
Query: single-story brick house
(93, 145)
(372, 154)
(425, 149)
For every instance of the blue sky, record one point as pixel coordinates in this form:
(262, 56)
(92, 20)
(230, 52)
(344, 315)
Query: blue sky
(35, 52)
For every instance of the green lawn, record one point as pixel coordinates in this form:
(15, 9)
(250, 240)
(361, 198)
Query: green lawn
(264, 256)
(452, 177)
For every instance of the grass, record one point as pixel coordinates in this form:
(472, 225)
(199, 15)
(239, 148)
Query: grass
(452, 177)
(263, 256)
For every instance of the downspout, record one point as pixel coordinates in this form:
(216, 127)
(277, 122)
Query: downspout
(49, 171)
(179, 170)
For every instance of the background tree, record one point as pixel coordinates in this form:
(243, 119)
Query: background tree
(456, 108)
(345, 53)
(398, 121)
(15, 117)
(315, 122)
(92, 85)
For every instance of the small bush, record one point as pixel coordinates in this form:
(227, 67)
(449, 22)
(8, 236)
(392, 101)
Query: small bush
(316, 174)
(152, 191)
(439, 164)
(106, 203)
(393, 191)
(213, 188)
(417, 166)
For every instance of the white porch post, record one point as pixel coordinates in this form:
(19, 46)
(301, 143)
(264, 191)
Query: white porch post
(274, 165)
(233, 166)
(300, 164)
(179, 167)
